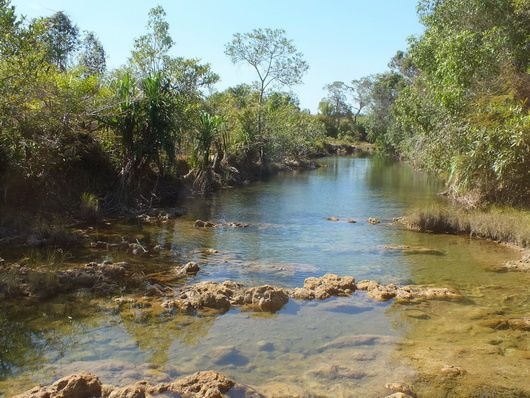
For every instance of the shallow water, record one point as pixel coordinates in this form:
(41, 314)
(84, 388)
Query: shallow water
(341, 347)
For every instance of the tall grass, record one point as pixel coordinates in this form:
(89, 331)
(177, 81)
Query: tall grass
(499, 224)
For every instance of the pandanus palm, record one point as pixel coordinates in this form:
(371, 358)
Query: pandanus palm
(207, 132)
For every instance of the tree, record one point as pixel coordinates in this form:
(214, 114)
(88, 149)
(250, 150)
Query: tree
(275, 59)
(61, 36)
(92, 56)
(150, 53)
(360, 90)
(338, 99)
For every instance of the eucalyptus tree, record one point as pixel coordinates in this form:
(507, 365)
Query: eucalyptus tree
(150, 52)
(273, 57)
(92, 56)
(360, 91)
(61, 36)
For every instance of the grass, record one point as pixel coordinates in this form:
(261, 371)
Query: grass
(505, 225)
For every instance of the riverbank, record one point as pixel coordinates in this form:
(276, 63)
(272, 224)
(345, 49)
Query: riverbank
(503, 225)
(42, 225)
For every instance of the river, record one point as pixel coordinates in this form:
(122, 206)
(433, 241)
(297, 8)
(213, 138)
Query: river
(340, 347)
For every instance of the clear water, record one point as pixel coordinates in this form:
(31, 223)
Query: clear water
(342, 347)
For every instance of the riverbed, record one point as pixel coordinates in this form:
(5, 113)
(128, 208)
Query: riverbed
(339, 347)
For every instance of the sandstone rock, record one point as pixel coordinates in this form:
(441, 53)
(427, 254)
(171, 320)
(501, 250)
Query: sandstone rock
(452, 371)
(407, 293)
(412, 292)
(204, 224)
(383, 292)
(207, 384)
(406, 249)
(327, 286)
(221, 296)
(508, 323)
(263, 298)
(139, 389)
(82, 385)
(190, 268)
(401, 388)
(373, 220)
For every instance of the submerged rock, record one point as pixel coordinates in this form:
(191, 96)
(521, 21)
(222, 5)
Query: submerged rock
(191, 268)
(208, 384)
(282, 390)
(521, 265)
(406, 249)
(508, 323)
(209, 224)
(453, 371)
(41, 283)
(400, 388)
(334, 372)
(204, 224)
(324, 287)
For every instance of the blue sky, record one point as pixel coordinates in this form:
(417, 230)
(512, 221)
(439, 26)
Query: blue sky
(340, 39)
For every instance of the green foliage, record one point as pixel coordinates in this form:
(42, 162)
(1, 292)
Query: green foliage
(274, 57)
(457, 102)
(69, 131)
(206, 133)
(92, 57)
(145, 122)
(61, 38)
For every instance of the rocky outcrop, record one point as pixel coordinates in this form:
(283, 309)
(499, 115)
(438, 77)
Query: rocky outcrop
(206, 384)
(327, 286)
(373, 220)
(221, 296)
(407, 293)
